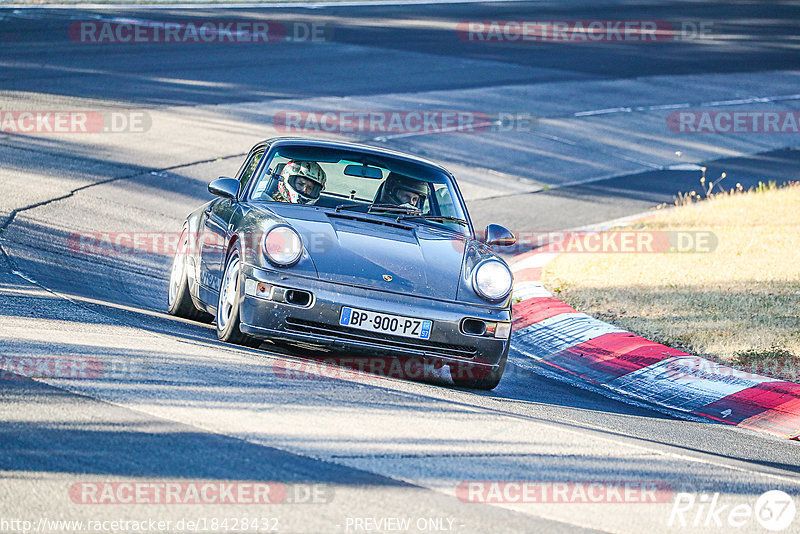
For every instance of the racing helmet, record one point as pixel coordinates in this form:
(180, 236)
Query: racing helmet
(301, 182)
(395, 183)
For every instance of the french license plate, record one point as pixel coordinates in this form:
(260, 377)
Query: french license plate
(385, 323)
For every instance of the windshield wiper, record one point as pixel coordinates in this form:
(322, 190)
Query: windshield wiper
(435, 218)
(341, 207)
(392, 208)
(379, 208)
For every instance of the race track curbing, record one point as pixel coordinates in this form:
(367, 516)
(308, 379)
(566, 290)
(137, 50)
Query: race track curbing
(573, 343)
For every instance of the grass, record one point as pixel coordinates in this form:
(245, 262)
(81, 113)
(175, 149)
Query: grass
(738, 304)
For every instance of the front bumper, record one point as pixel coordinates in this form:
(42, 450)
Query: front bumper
(318, 322)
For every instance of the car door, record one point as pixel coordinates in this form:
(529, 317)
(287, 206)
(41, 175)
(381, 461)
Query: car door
(217, 227)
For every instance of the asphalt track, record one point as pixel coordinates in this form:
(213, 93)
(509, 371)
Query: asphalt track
(185, 407)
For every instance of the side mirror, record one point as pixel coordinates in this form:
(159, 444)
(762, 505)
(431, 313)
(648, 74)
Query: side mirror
(224, 187)
(499, 235)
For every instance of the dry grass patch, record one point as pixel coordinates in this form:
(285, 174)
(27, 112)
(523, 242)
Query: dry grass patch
(739, 304)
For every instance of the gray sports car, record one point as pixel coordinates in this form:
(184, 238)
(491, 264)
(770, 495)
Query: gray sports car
(348, 248)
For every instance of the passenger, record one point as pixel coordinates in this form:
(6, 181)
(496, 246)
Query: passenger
(301, 182)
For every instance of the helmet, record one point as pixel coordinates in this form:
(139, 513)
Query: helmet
(396, 183)
(301, 182)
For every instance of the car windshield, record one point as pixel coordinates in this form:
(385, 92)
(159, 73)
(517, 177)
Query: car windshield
(346, 180)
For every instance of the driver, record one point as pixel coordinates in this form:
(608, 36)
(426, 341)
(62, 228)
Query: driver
(301, 182)
(403, 190)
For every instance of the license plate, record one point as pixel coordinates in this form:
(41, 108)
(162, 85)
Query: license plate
(385, 323)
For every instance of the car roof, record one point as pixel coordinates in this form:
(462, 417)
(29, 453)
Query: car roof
(327, 143)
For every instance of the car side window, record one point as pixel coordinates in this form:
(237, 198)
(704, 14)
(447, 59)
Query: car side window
(443, 200)
(249, 169)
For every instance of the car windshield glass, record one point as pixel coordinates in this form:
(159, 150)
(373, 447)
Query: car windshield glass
(338, 179)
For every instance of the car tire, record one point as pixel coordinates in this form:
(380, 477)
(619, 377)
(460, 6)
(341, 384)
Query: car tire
(179, 301)
(488, 382)
(229, 300)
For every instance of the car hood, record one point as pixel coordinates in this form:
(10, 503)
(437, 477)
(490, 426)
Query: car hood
(408, 258)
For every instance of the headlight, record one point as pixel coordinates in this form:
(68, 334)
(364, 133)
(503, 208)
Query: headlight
(492, 280)
(283, 246)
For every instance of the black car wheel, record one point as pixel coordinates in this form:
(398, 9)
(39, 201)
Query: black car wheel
(228, 304)
(485, 383)
(179, 301)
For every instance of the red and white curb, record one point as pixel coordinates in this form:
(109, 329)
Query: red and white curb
(554, 334)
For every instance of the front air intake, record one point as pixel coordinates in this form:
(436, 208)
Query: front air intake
(473, 327)
(297, 297)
